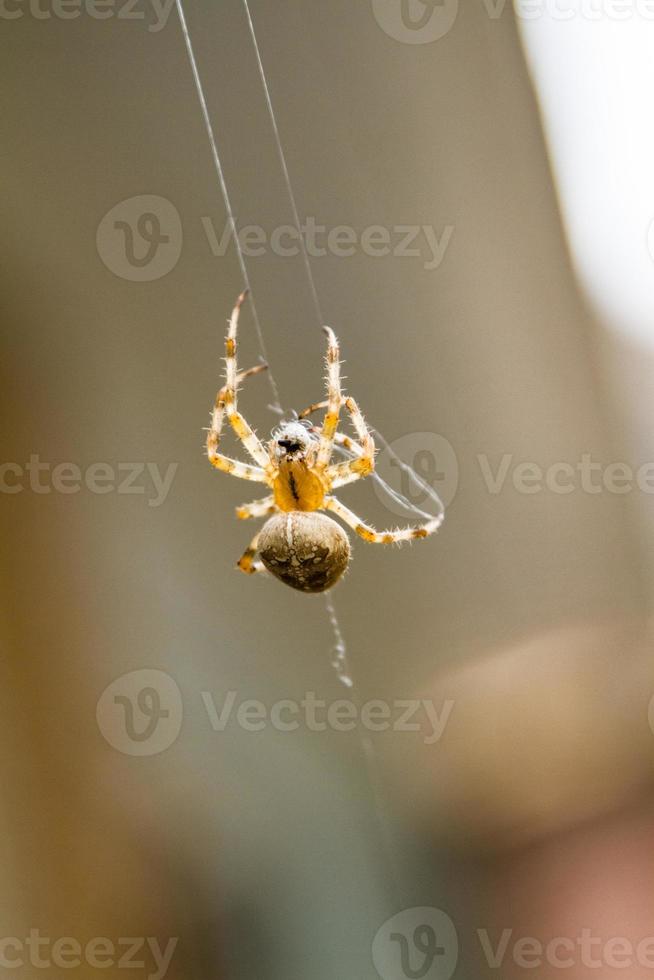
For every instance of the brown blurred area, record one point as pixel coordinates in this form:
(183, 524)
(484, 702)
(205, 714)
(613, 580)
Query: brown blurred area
(260, 851)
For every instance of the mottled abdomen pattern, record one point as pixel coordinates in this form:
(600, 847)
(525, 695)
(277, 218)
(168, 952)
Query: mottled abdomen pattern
(307, 551)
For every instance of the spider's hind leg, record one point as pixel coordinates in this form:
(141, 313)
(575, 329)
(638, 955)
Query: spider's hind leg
(247, 562)
(391, 536)
(257, 508)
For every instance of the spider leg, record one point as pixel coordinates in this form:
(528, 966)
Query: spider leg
(229, 393)
(330, 421)
(257, 508)
(246, 562)
(354, 469)
(225, 463)
(350, 470)
(381, 537)
(340, 438)
(257, 369)
(316, 407)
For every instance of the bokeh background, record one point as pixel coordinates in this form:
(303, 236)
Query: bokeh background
(281, 854)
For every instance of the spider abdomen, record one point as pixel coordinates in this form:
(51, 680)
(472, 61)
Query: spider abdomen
(305, 550)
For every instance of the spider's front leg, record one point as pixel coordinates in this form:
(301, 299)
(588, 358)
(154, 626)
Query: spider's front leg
(330, 422)
(339, 474)
(390, 536)
(243, 431)
(225, 404)
(364, 463)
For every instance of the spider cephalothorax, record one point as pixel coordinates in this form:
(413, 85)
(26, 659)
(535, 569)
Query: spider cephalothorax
(303, 548)
(294, 440)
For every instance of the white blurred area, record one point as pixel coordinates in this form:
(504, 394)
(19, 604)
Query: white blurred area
(592, 63)
(593, 66)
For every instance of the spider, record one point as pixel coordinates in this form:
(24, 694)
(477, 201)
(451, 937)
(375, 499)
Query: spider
(300, 546)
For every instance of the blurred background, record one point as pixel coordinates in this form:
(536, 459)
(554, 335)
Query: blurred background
(483, 180)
